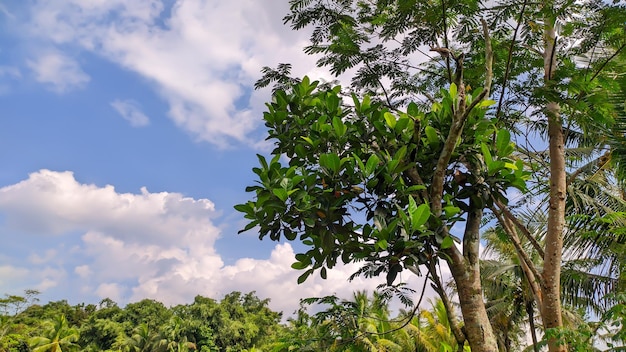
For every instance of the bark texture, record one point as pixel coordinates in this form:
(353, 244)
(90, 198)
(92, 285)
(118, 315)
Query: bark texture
(551, 305)
(466, 273)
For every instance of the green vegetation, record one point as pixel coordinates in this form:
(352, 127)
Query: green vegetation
(464, 121)
(237, 322)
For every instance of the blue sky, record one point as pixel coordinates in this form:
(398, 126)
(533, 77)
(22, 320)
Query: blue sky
(128, 130)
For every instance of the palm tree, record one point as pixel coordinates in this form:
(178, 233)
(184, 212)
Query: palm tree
(58, 337)
(143, 340)
(510, 300)
(359, 324)
(430, 329)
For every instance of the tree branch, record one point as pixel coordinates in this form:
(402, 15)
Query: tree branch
(505, 80)
(607, 61)
(523, 229)
(488, 57)
(535, 280)
(459, 335)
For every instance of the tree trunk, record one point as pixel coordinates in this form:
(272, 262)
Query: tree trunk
(531, 323)
(466, 273)
(551, 307)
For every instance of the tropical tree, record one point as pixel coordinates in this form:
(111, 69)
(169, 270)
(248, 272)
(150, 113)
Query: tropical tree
(509, 299)
(14, 334)
(58, 337)
(415, 172)
(361, 323)
(430, 329)
(143, 339)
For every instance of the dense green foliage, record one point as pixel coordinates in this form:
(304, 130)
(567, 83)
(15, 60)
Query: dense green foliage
(459, 114)
(236, 323)
(243, 322)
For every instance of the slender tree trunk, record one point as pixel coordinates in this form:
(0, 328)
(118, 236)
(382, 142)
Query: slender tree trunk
(531, 323)
(466, 273)
(551, 307)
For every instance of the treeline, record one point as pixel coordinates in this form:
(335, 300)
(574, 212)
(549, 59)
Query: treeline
(238, 322)
(244, 322)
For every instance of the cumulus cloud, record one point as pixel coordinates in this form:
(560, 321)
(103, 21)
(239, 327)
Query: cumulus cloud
(131, 112)
(145, 245)
(58, 71)
(203, 71)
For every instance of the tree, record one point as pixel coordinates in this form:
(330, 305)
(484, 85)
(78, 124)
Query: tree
(358, 324)
(431, 329)
(143, 339)
(383, 174)
(13, 333)
(58, 337)
(385, 179)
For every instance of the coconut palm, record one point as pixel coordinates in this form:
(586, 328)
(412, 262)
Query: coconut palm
(143, 340)
(510, 300)
(58, 337)
(430, 329)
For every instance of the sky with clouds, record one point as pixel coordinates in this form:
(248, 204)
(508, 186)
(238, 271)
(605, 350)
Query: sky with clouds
(128, 130)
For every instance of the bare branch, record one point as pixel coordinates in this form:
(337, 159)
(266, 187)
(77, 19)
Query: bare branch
(488, 57)
(505, 80)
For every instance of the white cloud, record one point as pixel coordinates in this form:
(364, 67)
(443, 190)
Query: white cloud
(131, 112)
(110, 290)
(155, 245)
(60, 72)
(48, 255)
(203, 58)
(83, 271)
(10, 274)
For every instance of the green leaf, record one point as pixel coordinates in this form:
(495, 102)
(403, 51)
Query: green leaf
(339, 127)
(486, 103)
(431, 135)
(244, 208)
(416, 188)
(413, 110)
(399, 155)
(262, 161)
(290, 235)
(503, 141)
(447, 242)
(299, 265)
(510, 166)
(382, 244)
(486, 153)
(281, 193)
(248, 227)
(390, 119)
(366, 103)
(332, 103)
(304, 276)
(453, 90)
(323, 273)
(451, 210)
(419, 214)
(309, 140)
(371, 165)
(359, 162)
(303, 258)
(494, 166)
(331, 162)
(357, 103)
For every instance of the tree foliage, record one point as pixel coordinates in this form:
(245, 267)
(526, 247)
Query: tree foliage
(236, 323)
(420, 148)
